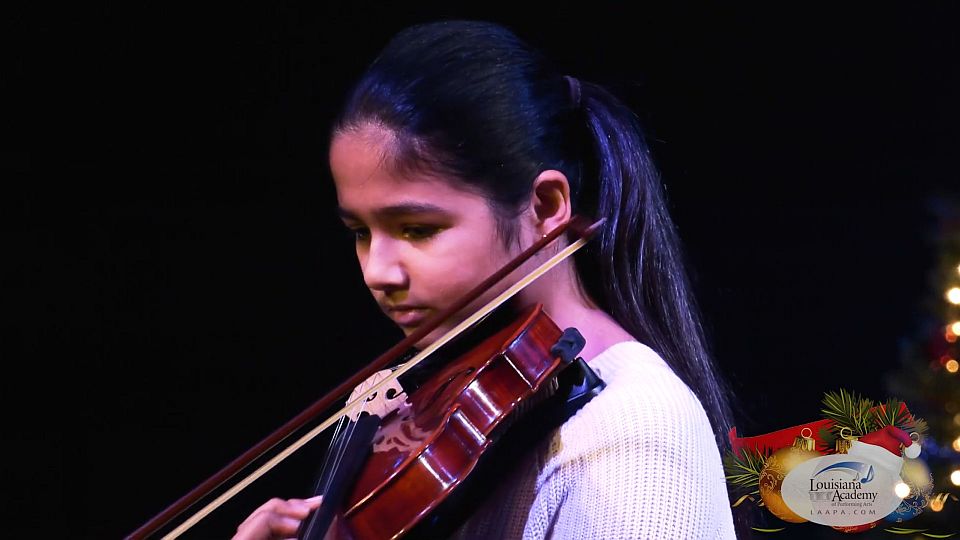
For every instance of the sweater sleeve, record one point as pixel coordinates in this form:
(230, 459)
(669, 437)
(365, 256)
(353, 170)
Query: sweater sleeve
(639, 461)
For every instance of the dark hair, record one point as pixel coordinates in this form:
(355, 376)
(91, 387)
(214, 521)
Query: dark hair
(472, 100)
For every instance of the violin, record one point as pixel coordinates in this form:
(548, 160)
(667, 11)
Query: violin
(403, 468)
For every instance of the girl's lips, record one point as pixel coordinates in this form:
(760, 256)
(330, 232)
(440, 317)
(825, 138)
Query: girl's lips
(408, 316)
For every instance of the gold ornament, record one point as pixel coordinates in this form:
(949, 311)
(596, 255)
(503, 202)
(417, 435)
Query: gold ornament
(844, 441)
(775, 469)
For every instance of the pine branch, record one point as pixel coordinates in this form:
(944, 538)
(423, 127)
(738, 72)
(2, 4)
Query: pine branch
(848, 410)
(894, 413)
(890, 413)
(919, 425)
(743, 471)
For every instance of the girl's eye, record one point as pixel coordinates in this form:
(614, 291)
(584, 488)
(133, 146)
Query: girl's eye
(360, 234)
(419, 232)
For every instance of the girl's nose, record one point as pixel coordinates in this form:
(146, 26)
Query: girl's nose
(382, 266)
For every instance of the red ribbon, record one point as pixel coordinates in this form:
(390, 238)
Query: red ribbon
(782, 438)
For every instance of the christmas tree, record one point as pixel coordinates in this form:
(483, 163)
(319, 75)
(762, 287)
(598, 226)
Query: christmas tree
(928, 377)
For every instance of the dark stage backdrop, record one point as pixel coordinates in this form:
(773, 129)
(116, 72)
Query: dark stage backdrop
(188, 287)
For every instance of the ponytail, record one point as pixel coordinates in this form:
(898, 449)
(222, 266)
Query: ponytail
(635, 267)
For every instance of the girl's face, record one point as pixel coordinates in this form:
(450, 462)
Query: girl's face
(422, 241)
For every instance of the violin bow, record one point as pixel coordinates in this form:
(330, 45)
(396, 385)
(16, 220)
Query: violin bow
(584, 231)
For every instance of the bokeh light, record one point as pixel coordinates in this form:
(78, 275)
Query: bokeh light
(953, 295)
(902, 490)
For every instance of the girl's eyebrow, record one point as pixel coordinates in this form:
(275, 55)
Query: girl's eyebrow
(395, 210)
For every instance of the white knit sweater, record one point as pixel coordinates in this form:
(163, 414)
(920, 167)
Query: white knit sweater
(637, 461)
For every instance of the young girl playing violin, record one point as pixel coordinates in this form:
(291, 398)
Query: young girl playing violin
(459, 148)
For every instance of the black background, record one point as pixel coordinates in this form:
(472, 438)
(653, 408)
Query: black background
(186, 287)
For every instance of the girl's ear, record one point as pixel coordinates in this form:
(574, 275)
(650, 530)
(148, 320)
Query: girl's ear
(550, 201)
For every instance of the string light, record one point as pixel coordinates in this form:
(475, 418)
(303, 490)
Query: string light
(902, 490)
(952, 365)
(953, 295)
(956, 444)
(955, 328)
(955, 477)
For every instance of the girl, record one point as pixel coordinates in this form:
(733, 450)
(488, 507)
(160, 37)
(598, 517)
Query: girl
(460, 147)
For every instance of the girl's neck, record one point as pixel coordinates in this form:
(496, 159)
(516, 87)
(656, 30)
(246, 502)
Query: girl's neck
(565, 302)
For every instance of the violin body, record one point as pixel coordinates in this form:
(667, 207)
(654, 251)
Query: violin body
(426, 448)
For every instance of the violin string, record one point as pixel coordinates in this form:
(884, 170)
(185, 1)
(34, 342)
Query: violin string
(334, 457)
(344, 443)
(320, 488)
(323, 426)
(323, 481)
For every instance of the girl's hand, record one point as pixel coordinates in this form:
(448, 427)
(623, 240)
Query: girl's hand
(276, 519)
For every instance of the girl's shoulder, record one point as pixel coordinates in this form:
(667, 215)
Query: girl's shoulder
(631, 368)
(643, 399)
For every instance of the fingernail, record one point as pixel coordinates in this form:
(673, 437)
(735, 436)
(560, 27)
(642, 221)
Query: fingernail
(316, 499)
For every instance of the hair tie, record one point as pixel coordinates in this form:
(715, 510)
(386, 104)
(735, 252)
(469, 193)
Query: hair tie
(574, 87)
